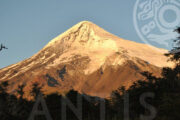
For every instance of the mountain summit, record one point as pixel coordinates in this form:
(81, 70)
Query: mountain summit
(88, 59)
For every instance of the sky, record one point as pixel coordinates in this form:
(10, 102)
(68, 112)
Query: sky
(26, 26)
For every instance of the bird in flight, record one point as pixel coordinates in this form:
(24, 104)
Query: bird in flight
(2, 47)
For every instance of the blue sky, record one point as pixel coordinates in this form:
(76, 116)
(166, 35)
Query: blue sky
(26, 26)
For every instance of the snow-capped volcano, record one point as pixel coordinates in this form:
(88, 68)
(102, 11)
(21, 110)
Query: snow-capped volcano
(88, 59)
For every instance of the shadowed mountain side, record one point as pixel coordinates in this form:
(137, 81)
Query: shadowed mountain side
(99, 83)
(88, 59)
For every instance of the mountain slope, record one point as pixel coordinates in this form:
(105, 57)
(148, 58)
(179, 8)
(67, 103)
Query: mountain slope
(88, 59)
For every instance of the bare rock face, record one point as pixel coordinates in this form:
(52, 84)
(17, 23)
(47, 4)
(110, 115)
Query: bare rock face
(88, 59)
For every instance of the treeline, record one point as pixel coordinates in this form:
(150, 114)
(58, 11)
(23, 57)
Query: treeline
(18, 108)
